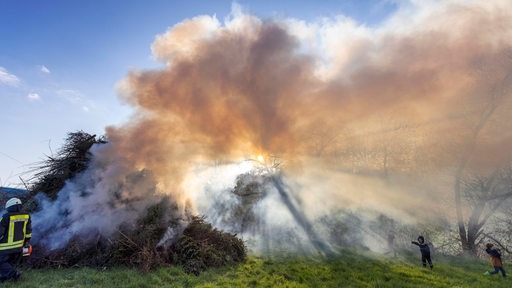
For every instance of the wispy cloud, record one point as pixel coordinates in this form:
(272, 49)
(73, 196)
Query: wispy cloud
(70, 95)
(8, 78)
(33, 97)
(76, 98)
(45, 69)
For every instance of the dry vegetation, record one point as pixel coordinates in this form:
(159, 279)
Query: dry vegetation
(138, 245)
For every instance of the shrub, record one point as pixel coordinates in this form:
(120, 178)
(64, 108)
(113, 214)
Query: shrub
(201, 246)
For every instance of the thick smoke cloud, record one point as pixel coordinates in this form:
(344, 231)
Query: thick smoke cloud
(333, 101)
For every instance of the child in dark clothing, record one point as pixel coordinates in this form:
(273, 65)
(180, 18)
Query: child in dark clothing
(495, 258)
(425, 251)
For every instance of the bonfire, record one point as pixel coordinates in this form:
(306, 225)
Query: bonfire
(160, 235)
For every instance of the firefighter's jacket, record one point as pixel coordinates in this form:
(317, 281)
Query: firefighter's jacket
(15, 230)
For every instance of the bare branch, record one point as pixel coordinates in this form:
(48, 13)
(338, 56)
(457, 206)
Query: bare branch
(497, 242)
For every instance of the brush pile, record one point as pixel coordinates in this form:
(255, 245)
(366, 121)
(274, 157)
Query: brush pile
(160, 236)
(198, 247)
(51, 174)
(201, 246)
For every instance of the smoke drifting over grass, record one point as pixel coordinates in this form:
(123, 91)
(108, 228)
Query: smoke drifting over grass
(358, 117)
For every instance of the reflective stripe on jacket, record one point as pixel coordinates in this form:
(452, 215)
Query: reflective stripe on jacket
(17, 228)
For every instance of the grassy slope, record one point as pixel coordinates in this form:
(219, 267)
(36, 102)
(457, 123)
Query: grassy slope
(349, 269)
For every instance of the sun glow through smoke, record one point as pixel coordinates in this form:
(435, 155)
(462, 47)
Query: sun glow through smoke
(381, 132)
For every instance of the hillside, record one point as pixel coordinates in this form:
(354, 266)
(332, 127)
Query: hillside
(347, 269)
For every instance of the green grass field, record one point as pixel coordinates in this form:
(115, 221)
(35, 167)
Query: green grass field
(348, 269)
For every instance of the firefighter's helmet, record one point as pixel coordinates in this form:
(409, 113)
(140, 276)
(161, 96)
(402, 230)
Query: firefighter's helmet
(12, 202)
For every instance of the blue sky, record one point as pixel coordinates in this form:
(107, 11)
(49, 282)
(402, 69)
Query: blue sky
(60, 61)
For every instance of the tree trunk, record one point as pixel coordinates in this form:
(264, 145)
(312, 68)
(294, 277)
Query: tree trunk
(498, 92)
(467, 239)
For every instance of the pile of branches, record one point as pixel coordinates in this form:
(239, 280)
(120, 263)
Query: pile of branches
(201, 246)
(51, 174)
(140, 245)
(198, 247)
(131, 246)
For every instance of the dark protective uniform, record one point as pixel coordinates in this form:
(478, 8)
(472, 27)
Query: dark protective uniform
(15, 232)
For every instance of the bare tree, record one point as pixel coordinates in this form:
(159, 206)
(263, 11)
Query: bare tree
(322, 139)
(499, 80)
(484, 196)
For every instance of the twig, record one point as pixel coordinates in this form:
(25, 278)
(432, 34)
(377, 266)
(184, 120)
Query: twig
(127, 238)
(497, 242)
(24, 184)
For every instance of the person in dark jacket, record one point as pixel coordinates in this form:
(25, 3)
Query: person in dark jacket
(495, 259)
(15, 232)
(425, 251)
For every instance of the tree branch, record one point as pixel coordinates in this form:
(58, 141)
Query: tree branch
(497, 242)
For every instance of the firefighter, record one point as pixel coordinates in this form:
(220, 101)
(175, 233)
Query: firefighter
(15, 233)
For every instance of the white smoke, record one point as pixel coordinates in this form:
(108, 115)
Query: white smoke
(94, 203)
(362, 118)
